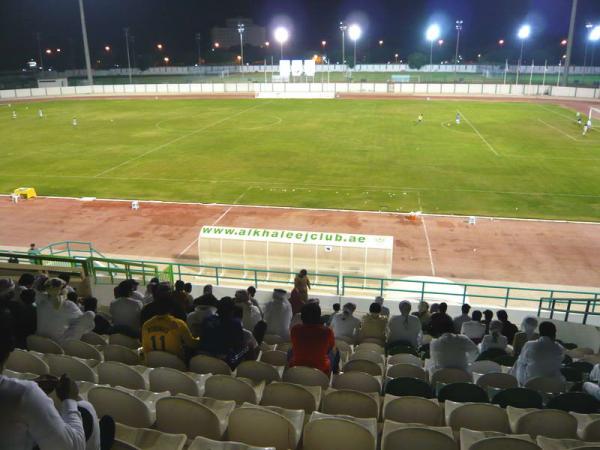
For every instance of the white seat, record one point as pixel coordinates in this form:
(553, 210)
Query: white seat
(545, 422)
(358, 381)
(264, 347)
(476, 416)
(176, 382)
(81, 350)
(122, 405)
(491, 440)
(447, 376)
(546, 385)
(330, 432)
(240, 390)
(406, 370)
(371, 347)
(397, 436)
(76, 368)
(258, 371)
(43, 345)
(193, 417)
(20, 375)
(273, 339)
(565, 444)
(497, 381)
(483, 367)
(405, 358)
(27, 362)
(209, 364)
(116, 373)
(368, 355)
(164, 359)
(292, 396)
(306, 376)
(125, 341)
(351, 403)
(274, 357)
(249, 424)
(364, 365)
(202, 443)
(147, 439)
(120, 353)
(95, 339)
(412, 410)
(120, 445)
(343, 346)
(588, 426)
(283, 346)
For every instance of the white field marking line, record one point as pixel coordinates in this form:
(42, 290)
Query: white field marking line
(555, 112)
(479, 134)
(558, 129)
(177, 139)
(427, 238)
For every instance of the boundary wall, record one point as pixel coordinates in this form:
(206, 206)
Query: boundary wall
(492, 90)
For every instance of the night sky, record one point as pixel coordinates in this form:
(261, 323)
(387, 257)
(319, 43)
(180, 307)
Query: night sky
(400, 23)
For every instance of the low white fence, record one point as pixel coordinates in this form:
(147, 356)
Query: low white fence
(497, 90)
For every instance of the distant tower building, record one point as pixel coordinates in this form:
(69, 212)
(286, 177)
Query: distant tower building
(229, 36)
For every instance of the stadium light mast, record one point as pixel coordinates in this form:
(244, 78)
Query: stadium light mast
(199, 47)
(86, 48)
(459, 26)
(588, 29)
(432, 34)
(594, 37)
(281, 35)
(241, 29)
(523, 33)
(343, 28)
(354, 33)
(126, 30)
(570, 41)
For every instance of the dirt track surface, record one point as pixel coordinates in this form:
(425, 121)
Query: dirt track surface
(540, 252)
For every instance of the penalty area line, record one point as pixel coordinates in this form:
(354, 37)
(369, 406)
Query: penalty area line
(479, 134)
(558, 129)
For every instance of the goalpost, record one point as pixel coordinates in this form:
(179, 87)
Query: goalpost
(594, 113)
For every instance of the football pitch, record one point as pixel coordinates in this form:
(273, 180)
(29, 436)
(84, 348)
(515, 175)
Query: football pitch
(504, 159)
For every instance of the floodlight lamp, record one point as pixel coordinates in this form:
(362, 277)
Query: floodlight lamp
(433, 32)
(355, 32)
(595, 34)
(524, 32)
(281, 35)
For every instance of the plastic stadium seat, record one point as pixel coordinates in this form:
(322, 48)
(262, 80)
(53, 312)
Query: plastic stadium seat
(27, 362)
(462, 392)
(120, 445)
(20, 375)
(405, 358)
(447, 376)
(577, 402)
(358, 381)
(292, 396)
(125, 341)
(588, 426)
(571, 375)
(505, 360)
(503, 443)
(249, 423)
(476, 416)
(94, 339)
(202, 443)
(163, 379)
(115, 373)
(377, 358)
(406, 370)
(351, 403)
(81, 350)
(518, 398)
(546, 385)
(363, 365)
(542, 422)
(258, 371)
(147, 439)
(44, 345)
(402, 348)
(468, 438)
(412, 410)
(491, 354)
(123, 406)
(338, 433)
(283, 347)
(582, 366)
(239, 390)
(164, 359)
(273, 339)
(401, 387)
(398, 436)
(77, 369)
(264, 347)
(343, 346)
(497, 381)
(121, 354)
(274, 357)
(566, 444)
(486, 366)
(306, 376)
(209, 364)
(371, 347)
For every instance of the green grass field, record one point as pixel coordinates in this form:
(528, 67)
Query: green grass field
(505, 159)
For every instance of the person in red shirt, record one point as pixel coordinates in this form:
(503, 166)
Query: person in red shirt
(313, 344)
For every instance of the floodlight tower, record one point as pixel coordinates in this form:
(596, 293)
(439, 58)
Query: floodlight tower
(459, 26)
(126, 30)
(343, 28)
(594, 37)
(524, 33)
(588, 30)
(354, 32)
(570, 40)
(86, 48)
(241, 29)
(432, 34)
(281, 35)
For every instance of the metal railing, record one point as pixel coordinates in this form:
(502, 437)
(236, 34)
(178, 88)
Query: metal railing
(569, 307)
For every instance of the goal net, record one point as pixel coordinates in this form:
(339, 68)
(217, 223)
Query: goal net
(594, 115)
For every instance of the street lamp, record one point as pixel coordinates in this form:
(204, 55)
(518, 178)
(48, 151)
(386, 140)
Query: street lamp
(166, 59)
(459, 27)
(159, 47)
(432, 34)
(281, 35)
(524, 33)
(107, 48)
(343, 28)
(241, 29)
(354, 32)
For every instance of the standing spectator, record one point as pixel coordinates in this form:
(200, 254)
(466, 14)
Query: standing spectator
(540, 358)
(313, 344)
(452, 351)
(526, 334)
(201, 312)
(464, 317)
(162, 293)
(423, 315)
(509, 329)
(25, 282)
(188, 288)
(373, 325)
(488, 316)
(336, 310)
(207, 297)
(251, 314)
(101, 324)
(474, 329)
(404, 329)
(385, 311)
(495, 339)
(33, 251)
(278, 315)
(299, 296)
(181, 297)
(125, 311)
(251, 293)
(345, 325)
(441, 322)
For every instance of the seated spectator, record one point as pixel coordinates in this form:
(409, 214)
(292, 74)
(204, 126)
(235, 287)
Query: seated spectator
(336, 310)
(252, 314)
(526, 334)
(250, 344)
(251, 293)
(464, 317)
(452, 351)
(162, 293)
(23, 313)
(66, 277)
(7, 288)
(540, 358)
(435, 308)
(39, 286)
(102, 324)
(26, 281)
(495, 339)
(59, 318)
(488, 316)
(423, 315)
(135, 293)
(441, 322)
(385, 311)
(125, 311)
(278, 315)
(150, 291)
(313, 344)
(207, 297)
(345, 325)
(201, 312)
(404, 329)
(28, 417)
(181, 297)
(165, 333)
(373, 325)
(509, 329)
(474, 329)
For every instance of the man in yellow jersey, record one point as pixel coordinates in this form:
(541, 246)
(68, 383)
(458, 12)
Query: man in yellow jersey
(165, 333)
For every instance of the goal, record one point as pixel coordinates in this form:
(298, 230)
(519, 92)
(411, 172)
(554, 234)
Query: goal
(594, 114)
